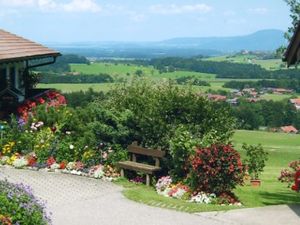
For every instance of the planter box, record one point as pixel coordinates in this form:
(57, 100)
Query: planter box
(255, 183)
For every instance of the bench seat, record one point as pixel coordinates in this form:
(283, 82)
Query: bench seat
(141, 167)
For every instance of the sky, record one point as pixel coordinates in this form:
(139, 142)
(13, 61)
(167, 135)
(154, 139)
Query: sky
(48, 21)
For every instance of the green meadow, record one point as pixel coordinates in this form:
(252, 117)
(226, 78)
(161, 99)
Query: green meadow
(68, 88)
(118, 70)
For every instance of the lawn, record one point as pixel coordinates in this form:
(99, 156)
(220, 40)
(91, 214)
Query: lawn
(282, 149)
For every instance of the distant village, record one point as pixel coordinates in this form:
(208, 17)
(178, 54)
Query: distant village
(252, 95)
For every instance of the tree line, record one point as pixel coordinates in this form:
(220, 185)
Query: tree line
(272, 114)
(62, 64)
(48, 78)
(222, 69)
(249, 116)
(293, 84)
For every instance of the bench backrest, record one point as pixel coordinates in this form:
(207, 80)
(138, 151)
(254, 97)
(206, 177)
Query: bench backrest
(134, 148)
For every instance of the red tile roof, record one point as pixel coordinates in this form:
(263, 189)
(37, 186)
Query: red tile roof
(289, 129)
(13, 47)
(216, 97)
(295, 101)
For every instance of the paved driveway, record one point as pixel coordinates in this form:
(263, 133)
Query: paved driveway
(77, 200)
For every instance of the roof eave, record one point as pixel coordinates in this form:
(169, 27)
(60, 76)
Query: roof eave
(290, 55)
(25, 58)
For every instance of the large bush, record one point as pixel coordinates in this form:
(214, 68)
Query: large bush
(19, 206)
(159, 109)
(216, 169)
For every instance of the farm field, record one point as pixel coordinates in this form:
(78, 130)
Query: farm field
(268, 64)
(126, 70)
(68, 88)
(122, 72)
(282, 149)
(276, 97)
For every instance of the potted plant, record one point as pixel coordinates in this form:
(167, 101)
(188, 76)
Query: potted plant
(256, 158)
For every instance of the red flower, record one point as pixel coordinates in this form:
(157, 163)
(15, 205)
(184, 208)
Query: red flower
(50, 161)
(62, 165)
(31, 160)
(41, 100)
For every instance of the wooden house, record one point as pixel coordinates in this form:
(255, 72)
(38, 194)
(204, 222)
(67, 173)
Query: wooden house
(17, 57)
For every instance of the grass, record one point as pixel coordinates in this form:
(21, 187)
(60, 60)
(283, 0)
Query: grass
(119, 70)
(67, 88)
(268, 64)
(276, 97)
(282, 149)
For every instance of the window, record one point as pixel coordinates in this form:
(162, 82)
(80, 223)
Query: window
(2, 79)
(12, 76)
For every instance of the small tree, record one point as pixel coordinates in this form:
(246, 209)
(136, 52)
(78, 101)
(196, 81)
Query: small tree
(256, 159)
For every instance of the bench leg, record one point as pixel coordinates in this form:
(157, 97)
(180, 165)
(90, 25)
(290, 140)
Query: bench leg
(147, 179)
(122, 173)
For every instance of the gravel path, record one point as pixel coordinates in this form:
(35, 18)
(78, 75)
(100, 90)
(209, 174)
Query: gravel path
(77, 200)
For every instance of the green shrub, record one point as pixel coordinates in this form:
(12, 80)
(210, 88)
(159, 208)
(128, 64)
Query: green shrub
(256, 159)
(182, 146)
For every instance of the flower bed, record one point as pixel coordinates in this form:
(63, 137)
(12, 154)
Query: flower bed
(165, 187)
(105, 172)
(19, 206)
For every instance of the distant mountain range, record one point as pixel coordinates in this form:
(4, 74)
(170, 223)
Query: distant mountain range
(264, 40)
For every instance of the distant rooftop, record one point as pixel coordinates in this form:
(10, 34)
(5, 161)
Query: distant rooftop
(15, 48)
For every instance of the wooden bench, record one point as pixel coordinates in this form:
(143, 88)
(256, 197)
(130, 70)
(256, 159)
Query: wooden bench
(149, 170)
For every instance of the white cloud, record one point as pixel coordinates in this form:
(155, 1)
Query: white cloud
(180, 9)
(54, 5)
(17, 3)
(47, 5)
(261, 11)
(81, 6)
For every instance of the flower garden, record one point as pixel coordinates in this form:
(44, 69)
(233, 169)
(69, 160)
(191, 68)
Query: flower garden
(201, 166)
(19, 206)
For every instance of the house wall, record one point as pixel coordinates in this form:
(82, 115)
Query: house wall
(11, 79)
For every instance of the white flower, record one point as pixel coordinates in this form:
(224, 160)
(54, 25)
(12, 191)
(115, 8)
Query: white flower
(163, 183)
(179, 193)
(71, 146)
(20, 163)
(99, 173)
(54, 166)
(4, 159)
(202, 197)
(71, 165)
